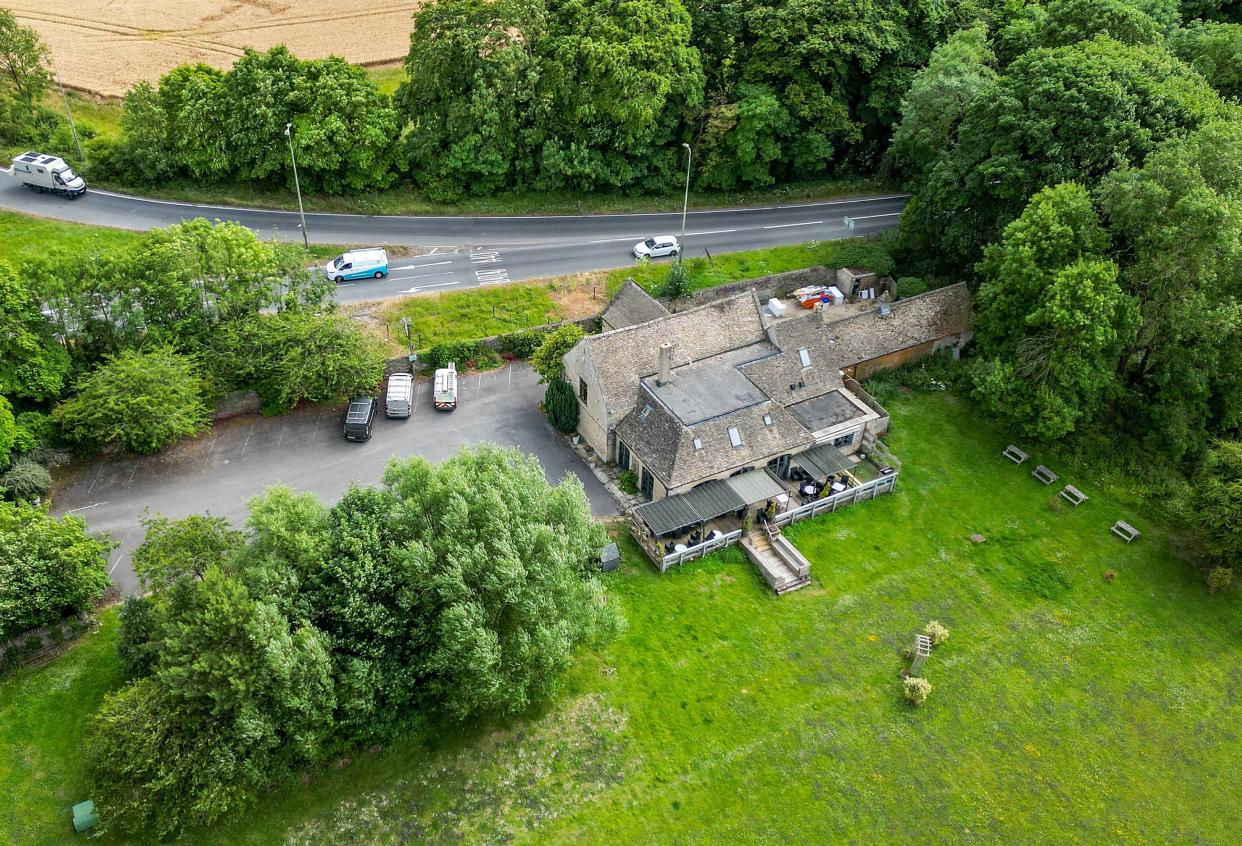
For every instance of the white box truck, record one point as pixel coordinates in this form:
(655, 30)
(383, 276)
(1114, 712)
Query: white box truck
(48, 174)
(399, 401)
(445, 388)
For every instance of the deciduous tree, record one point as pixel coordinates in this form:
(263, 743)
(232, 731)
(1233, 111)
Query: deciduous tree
(49, 566)
(142, 401)
(547, 359)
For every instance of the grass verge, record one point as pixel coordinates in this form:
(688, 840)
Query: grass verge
(873, 253)
(23, 237)
(1065, 708)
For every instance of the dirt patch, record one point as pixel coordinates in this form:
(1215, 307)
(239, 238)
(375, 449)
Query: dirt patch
(105, 48)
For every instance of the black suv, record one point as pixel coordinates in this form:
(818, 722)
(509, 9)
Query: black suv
(359, 417)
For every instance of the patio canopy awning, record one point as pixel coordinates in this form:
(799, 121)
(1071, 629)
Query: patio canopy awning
(711, 499)
(823, 461)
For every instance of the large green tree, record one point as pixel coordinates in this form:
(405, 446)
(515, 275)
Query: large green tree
(24, 75)
(578, 94)
(1216, 502)
(959, 70)
(1214, 50)
(49, 566)
(1069, 114)
(1051, 320)
(142, 401)
(504, 567)
(1177, 227)
(33, 364)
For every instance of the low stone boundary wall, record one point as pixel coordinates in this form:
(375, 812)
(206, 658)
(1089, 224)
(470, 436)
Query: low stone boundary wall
(44, 643)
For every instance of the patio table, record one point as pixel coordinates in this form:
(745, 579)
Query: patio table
(681, 547)
(837, 487)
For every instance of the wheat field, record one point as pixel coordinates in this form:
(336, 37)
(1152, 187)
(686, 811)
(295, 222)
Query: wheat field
(105, 46)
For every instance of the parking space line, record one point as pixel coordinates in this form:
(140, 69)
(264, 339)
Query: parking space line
(249, 432)
(210, 449)
(119, 559)
(281, 436)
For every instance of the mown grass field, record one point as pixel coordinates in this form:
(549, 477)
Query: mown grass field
(731, 267)
(1066, 709)
(23, 237)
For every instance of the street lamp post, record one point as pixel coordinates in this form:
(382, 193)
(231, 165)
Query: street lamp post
(685, 202)
(296, 184)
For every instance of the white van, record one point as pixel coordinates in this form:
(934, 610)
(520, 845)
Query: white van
(399, 401)
(358, 264)
(446, 388)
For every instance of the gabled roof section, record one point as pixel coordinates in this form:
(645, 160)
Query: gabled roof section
(623, 356)
(666, 446)
(783, 376)
(927, 317)
(631, 306)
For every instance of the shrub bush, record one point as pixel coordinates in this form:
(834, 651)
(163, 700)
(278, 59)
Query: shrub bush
(911, 286)
(938, 633)
(677, 283)
(628, 482)
(547, 359)
(561, 406)
(143, 401)
(465, 355)
(1219, 578)
(34, 430)
(916, 690)
(521, 344)
(26, 480)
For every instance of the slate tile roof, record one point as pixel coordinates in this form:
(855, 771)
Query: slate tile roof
(624, 356)
(936, 314)
(631, 306)
(666, 446)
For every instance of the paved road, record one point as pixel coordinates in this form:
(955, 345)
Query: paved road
(472, 251)
(219, 471)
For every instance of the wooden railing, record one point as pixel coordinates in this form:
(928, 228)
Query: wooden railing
(849, 496)
(699, 550)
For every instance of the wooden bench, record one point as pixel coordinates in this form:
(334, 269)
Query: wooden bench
(1014, 454)
(1073, 496)
(1044, 475)
(1125, 531)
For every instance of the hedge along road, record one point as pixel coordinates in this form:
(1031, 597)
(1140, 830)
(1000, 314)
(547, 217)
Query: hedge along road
(461, 252)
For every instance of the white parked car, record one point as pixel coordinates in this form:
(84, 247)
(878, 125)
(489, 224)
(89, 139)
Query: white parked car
(656, 246)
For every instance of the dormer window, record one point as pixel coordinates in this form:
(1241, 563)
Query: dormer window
(735, 437)
(767, 420)
(804, 355)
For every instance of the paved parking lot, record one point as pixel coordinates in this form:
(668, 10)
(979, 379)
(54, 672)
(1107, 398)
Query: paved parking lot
(219, 471)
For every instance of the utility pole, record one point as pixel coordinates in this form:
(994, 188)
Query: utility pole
(685, 203)
(72, 127)
(405, 324)
(296, 184)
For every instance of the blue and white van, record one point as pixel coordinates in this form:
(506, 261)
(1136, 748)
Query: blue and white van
(358, 264)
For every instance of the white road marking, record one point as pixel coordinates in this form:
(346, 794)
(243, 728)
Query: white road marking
(485, 257)
(117, 564)
(84, 507)
(614, 240)
(418, 288)
(416, 266)
(787, 225)
(710, 232)
(249, 432)
(873, 216)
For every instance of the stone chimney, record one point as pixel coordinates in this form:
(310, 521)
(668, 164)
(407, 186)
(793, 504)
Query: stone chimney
(665, 375)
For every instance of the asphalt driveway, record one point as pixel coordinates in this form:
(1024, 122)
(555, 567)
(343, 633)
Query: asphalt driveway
(217, 472)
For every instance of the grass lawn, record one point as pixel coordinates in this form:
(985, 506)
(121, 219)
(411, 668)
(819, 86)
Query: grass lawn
(464, 315)
(730, 267)
(1065, 709)
(23, 237)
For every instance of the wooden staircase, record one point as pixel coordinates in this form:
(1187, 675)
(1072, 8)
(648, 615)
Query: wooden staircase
(783, 567)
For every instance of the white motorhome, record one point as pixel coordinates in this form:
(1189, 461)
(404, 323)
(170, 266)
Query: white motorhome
(446, 388)
(399, 401)
(48, 174)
